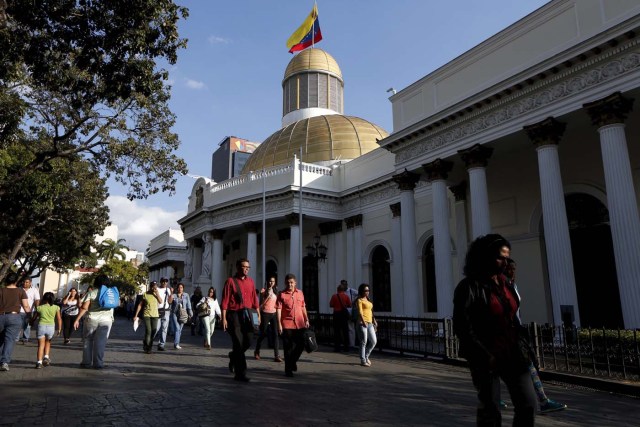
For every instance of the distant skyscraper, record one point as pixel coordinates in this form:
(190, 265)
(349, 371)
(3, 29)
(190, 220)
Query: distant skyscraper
(229, 159)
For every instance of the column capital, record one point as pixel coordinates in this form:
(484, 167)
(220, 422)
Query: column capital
(396, 209)
(438, 169)
(609, 110)
(547, 132)
(330, 227)
(293, 218)
(251, 227)
(218, 234)
(459, 191)
(354, 221)
(475, 156)
(284, 234)
(406, 180)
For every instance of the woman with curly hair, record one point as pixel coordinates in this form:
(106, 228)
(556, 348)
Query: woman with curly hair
(486, 322)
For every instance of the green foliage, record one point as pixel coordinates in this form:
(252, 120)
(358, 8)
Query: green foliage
(123, 274)
(109, 249)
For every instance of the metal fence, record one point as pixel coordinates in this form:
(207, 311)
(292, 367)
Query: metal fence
(583, 351)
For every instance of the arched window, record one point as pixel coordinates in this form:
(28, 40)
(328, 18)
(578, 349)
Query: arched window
(380, 279)
(310, 282)
(272, 271)
(430, 294)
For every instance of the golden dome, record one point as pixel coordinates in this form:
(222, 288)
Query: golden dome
(312, 60)
(323, 139)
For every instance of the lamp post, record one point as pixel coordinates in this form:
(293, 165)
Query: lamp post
(317, 249)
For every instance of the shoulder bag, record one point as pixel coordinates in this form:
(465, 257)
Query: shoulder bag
(249, 318)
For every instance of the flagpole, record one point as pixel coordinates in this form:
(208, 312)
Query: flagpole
(300, 220)
(264, 228)
(313, 27)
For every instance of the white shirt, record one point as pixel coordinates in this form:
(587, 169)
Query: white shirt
(33, 295)
(164, 294)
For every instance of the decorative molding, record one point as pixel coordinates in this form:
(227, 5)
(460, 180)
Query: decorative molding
(438, 169)
(476, 156)
(459, 191)
(610, 110)
(526, 101)
(406, 180)
(396, 209)
(547, 132)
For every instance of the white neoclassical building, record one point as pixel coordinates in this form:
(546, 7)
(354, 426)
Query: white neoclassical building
(532, 134)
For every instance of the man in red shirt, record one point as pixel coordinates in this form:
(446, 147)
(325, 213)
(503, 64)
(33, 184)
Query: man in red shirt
(239, 292)
(292, 321)
(340, 302)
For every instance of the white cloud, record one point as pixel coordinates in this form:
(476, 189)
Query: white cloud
(195, 84)
(139, 224)
(218, 40)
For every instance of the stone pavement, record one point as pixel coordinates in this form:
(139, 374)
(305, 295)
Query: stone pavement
(193, 387)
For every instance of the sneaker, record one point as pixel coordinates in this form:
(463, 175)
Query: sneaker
(502, 405)
(551, 406)
(38, 365)
(46, 361)
(364, 364)
(160, 348)
(368, 363)
(4, 367)
(277, 359)
(177, 347)
(256, 355)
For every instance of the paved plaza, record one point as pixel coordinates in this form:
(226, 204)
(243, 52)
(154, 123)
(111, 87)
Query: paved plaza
(193, 387)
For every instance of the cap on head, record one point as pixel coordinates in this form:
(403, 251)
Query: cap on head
(164, 279)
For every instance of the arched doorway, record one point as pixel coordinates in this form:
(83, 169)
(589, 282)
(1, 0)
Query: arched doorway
(272, 271)
(310, 282)
(430, 294)
(380, 279)
(593, 262)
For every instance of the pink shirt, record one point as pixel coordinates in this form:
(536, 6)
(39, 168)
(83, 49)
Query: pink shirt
(292, 307)
(269, 304)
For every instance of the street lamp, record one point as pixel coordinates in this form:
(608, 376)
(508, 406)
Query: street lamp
(317, 249)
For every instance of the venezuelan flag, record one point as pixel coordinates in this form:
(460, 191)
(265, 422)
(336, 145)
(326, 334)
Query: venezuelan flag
(307, 34)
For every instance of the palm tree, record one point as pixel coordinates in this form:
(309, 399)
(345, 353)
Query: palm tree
(109, 249)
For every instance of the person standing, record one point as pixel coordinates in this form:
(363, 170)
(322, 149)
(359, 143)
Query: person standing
(268, 318)
(366, 325)
(149, 306)
(485, 320)
(34, 301)
(12, 299)
(340, 303)
(48, 314)
(292, 321)
(209, 321)
(164, 311)
(180, 299)
(96, 327)
(353, 295)
(196, 321)
(70, 309)
(239, 293)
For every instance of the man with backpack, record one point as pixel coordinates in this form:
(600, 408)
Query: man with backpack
(97, 304)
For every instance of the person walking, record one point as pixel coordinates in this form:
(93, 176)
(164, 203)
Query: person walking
(341, 304)
(486, 323)
(96, 327)
(165, 292)
(180, 301)
(47, 314)
(33, 295)
(366, 326)
(149, 306)
(209, 320)
(196, 321)
(292, 321)
(70, 309)
(268, 319)
(352, 294)
(239, 293)
(12, 299)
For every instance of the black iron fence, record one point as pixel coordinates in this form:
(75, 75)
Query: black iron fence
(583, 351)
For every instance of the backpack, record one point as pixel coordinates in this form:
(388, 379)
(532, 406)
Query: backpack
(109, 297)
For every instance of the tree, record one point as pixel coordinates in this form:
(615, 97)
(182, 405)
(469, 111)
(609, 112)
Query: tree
(123, 274)
(108, 249)
(51, 218)
(81, 80)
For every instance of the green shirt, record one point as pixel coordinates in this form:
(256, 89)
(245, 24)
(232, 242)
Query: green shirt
(150, 305)
(47, 314)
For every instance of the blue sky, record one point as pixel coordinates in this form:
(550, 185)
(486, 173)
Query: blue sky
(228, 80)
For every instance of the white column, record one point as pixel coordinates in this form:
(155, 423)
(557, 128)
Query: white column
(350, 276)
(217, 269)
(398, 304)
(460, 210)
(480, 222)
(442, 248)
(625, 222)
(357, 252)
(294, 253)
(556, 234)
(252, 250)
(339, 264)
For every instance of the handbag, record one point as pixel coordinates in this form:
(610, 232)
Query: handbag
(181, 313)
(203, 309)
(310, 342)
(248, 317)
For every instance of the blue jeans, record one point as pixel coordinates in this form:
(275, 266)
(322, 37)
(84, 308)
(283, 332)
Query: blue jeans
(162, 330)
(368, 340)
(177, 329)
(10, 325)
(95, 334)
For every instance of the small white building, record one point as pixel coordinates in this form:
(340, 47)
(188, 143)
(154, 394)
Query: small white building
(166, 255)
